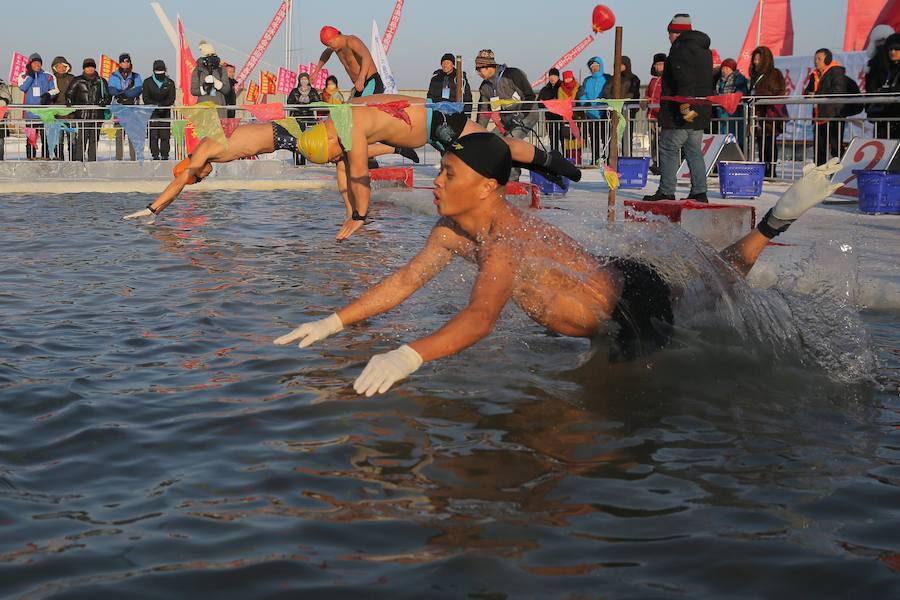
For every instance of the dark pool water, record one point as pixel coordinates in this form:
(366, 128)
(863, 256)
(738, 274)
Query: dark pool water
(155, 444)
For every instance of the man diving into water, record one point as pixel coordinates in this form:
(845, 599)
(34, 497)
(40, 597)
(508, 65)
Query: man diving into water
(377, 125)
(553, 279)
(355, 57)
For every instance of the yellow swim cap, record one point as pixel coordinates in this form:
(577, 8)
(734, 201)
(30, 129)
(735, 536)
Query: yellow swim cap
(313, 144)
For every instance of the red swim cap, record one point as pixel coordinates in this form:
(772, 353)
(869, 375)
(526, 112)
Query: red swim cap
(327, 34)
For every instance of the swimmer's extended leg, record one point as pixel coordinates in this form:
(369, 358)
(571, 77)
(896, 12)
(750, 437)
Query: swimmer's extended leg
(805, 193)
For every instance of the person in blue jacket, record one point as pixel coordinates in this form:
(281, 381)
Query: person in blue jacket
(592, 89)
(125, 87)
(39, 88)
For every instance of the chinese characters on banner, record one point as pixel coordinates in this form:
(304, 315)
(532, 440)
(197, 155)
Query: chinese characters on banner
(287, 80)
(566, 58)
(18, 66)
(186, 66)
(267, 83)
(107, 66)
(263, 44)
(321, 78)
(392, 27)
(252, 93)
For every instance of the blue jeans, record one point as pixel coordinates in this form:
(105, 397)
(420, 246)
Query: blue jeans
(671, 142)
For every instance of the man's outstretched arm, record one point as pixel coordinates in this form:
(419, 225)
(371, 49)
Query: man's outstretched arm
(322, 60)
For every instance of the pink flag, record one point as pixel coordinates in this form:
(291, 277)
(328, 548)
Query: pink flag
(890, 15)
(229, 125)
(265, 112)
(563, 108)
(566, 58)
(729, 102)
(18, 66)
(861, 15)
(772, 26)
(287, 80)
(391, 28)
(266, 39)
(31, 135)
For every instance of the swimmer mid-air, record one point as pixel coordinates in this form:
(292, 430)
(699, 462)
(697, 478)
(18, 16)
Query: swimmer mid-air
(379, 125)
(553, 279)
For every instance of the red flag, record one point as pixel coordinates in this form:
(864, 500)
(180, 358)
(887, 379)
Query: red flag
(252, 96)
(861, 15)
(263, 44)
(229, 125)
(267, 82)
(729, 102)
(396, 109)
(890, 15)
(186, 66)
(563, 108)
(772, 26)
(265, 112)
(107, 66)
(391, 28)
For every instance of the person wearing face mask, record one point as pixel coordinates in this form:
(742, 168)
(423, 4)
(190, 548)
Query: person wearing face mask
(303, 94)
(61, 71)
(210, 81)
(159, 90)
(88, 89)
(39, 89)
(125, 86)
(332, 94)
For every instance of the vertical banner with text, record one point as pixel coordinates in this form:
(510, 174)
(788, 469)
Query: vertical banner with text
(266, 39)
(17, 67)
(391, 29)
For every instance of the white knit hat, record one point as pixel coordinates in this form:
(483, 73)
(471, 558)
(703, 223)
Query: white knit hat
(206, 49)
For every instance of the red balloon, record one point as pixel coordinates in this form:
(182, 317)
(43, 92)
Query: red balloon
(603, 18)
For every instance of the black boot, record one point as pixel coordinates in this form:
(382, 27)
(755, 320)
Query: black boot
(701, 197)
(407, 153)
(373, 164)
(658, 196)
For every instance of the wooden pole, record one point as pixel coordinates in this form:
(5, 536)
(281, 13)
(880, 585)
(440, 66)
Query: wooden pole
(459, 78)
(614, 124)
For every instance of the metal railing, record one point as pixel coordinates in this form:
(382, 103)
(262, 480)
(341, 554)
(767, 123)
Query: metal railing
(784, 143)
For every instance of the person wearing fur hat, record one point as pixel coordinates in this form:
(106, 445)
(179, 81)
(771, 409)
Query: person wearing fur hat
(442, 87)
(159, 90)
(39, 88)
(125, 86)
(62, 73)
(88, 89)
(889, 83)
(687, 74)
(210, 81)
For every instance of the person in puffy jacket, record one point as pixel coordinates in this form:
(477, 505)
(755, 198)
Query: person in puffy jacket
(39, 88)
(302, 94)
(687, 74)
(61, 71)
(731, 81)
(210, 81)
(159, 90)
(88, 89)
(442, 87)
(554, 121)
(592, 89)
(828, 77)
(766, 80)
(630, 90)
(125, 86)
(509, 91)
(886, 81)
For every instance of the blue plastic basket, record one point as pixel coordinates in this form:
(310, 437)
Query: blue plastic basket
(879, 192)
(633, 172)
(741, 179)
(548, 187)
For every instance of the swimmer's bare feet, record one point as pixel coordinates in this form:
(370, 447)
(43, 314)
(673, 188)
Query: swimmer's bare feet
(350, 227)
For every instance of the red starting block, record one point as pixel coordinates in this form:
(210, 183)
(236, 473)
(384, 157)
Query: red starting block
(401, 176)
(719, 225)
(517, 188)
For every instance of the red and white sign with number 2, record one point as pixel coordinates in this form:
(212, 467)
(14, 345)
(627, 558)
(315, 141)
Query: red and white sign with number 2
(865, 155)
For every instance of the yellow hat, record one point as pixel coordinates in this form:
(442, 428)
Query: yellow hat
(313, 144)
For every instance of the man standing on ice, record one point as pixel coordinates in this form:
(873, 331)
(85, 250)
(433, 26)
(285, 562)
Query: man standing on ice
(355, 57)
(554, 280)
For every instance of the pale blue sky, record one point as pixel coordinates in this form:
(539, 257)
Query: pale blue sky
(528, 34)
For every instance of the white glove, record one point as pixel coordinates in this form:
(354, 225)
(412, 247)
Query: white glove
(54, 91)
(209, 79)
(809, 190)
(312, 332)
(22, 77)
(141, 214)
(384, 370)
(218, 84)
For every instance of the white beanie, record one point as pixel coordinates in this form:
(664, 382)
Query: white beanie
(877, 36)
(206, 49)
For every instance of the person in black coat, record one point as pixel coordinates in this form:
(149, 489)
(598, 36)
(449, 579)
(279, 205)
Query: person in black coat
(885, 80)
(687, 73)
(630, 89)
(828, 78)
(443, 85)
(159, 90)
(88, 89)
(303, 93)
(554, 121)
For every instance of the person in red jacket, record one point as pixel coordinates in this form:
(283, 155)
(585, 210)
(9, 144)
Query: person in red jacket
(652, 95)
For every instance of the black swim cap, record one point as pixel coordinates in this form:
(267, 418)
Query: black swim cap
(486, 154)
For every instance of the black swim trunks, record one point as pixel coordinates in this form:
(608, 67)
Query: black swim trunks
(444, 129)
(283, 139)
(373, 85)
(644, 311)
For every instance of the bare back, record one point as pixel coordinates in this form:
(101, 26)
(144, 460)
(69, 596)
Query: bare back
(379, 126)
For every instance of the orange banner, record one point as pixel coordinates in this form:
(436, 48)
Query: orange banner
(252, 93)
(267, 82)
(107, 66)
(772, 26)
